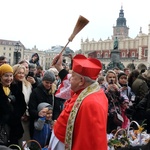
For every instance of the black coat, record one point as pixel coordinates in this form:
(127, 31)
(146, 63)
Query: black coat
(12, 108)
(143, 111)
(39, 95)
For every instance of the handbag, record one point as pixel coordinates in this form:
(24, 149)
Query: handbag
(117, 118)
(4, 134)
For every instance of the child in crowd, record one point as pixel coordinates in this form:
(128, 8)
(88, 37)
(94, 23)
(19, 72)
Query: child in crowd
(43, 125)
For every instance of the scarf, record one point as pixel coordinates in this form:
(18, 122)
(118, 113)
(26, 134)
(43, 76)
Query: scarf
(71, 120)
(6, 90)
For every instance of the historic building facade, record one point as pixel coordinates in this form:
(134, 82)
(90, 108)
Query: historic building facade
(132, 51)
(12, 50)
(135, 50)
(15, 51)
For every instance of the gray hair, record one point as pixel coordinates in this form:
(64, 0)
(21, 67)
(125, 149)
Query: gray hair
(87, 79)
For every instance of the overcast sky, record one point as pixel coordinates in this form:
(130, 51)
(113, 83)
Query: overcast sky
(47, 23)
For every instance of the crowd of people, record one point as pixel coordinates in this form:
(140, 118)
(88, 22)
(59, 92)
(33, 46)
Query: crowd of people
(69, 108)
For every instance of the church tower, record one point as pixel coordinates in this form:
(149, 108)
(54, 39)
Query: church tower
(120, 30)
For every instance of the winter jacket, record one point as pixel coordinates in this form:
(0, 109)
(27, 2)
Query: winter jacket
(12, 108)
(42, 131)
(143, 109)
(140, 88)
(39, 95)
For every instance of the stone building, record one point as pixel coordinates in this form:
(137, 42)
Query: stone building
(132, 50)
(12, 50)
(15, 51)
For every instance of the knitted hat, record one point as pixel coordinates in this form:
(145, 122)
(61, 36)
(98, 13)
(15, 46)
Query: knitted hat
(121, 74)
(89, 67)
(5, 68)
(43, 105)
(49, 76)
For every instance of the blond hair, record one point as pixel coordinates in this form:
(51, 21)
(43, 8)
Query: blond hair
(113, 72)
(16, 69)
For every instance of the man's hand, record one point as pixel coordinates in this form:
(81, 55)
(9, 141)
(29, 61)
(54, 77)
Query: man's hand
(57, 62)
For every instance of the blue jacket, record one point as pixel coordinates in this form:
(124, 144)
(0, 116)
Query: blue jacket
(42, 131)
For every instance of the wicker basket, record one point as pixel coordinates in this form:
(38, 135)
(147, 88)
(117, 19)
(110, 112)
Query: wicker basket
(119, 139)
(32, 144)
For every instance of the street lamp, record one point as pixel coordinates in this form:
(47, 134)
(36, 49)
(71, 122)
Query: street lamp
(17, 45)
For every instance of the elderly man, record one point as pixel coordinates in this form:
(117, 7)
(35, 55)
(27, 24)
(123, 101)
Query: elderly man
(82, 123)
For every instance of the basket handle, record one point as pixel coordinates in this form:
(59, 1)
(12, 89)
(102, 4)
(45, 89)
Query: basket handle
(121, 129)
(130, 125)
(14, 145)
(31, 141)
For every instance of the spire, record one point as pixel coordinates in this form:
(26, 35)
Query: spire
(121, 21)
(121, 6)
(140, 30)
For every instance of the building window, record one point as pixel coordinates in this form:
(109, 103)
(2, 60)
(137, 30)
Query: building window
(9, 48)
(133, 54)
(98, 55)
(9, 54)
(4, 48)
(4, 54)
(123, 54)
(145, 52)
(106, 55)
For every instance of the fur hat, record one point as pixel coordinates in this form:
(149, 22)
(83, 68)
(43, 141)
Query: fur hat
(5, 68)
(43, 105)
(48, 76)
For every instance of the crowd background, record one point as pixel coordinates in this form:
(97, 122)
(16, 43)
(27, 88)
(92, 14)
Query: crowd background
(24, 86)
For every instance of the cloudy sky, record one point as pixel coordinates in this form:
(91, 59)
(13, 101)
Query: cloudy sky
(47, 23)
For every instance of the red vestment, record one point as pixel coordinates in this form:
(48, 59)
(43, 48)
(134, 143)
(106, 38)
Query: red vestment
(90, 124)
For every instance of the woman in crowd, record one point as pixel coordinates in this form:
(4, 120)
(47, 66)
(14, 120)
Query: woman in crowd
(25, 63)
(12, 107)
(123, 84)
(26, 88)
(115, 102)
